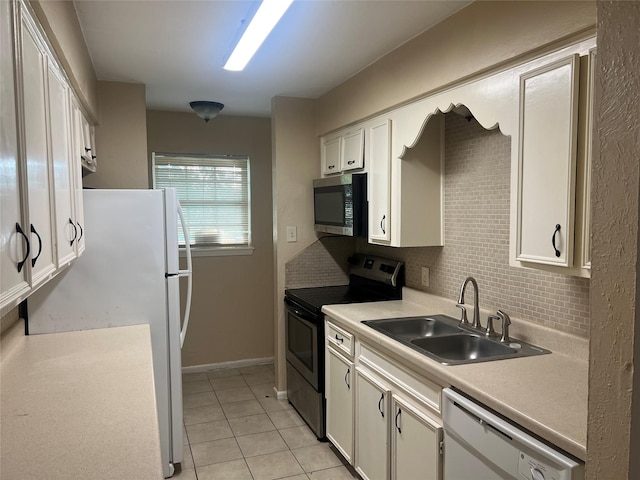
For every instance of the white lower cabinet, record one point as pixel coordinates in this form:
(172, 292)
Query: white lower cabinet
(372, 427)
(415, 443)
(339, 393)
(382, 417)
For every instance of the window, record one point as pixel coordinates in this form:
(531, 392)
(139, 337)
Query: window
(214, 194)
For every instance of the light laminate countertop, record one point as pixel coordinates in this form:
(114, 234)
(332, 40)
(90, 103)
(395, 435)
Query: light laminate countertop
(545, 394)
(78, 405)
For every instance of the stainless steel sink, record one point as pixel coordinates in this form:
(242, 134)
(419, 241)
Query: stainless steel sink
(441, 338)
(413, 327)
(463, 347)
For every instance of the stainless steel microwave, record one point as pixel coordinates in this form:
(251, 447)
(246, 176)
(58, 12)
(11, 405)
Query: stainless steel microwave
(340, 204)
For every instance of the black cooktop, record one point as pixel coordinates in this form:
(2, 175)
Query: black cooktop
(314, 298)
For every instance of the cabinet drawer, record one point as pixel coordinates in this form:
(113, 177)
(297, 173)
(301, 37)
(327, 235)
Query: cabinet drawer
(421, 388)
(340, 339)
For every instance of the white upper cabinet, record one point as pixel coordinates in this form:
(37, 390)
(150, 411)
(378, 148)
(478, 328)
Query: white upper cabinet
(330, 155)
(405, 184)
(77, 147)
(13, 249)
(352, 152)
(41, 181)
(63, 171)
(547, 163)
(379, 180)
(39, 184)
(342, 151)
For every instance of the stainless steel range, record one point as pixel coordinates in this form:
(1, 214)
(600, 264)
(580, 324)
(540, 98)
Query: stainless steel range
(371, 279)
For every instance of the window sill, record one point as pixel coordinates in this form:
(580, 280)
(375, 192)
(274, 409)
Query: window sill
(217, 251)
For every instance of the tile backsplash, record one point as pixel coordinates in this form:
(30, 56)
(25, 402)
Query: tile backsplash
(322, 263)
(476, 229)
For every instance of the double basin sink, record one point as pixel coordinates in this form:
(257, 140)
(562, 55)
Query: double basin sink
(441, 338)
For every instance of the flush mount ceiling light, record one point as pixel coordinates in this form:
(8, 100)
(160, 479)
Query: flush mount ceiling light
(206, 110)
(268, 14)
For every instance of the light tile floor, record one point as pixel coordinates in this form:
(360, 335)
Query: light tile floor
(235, 429)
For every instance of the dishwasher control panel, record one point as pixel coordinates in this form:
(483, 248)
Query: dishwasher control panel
(533, 469)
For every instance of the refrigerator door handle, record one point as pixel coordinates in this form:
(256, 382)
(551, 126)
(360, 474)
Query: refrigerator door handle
(186, 273)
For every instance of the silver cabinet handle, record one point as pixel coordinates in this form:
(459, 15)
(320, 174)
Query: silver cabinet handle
(351, 162)
(331, 167)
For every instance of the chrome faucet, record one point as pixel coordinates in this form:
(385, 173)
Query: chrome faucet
(506, 321)
(476, 306)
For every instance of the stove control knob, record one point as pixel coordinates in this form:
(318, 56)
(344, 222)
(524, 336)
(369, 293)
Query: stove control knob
(536, 474)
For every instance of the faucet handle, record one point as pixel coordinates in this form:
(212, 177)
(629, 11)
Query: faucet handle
(506, 321)
(463, 314)
(490, 331)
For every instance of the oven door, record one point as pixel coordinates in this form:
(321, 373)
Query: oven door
(301, 336)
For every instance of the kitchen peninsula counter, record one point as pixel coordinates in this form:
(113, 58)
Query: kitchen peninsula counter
(545, 394)
(78, 405)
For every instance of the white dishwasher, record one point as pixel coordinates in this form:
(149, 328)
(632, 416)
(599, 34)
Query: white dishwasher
(479, 445)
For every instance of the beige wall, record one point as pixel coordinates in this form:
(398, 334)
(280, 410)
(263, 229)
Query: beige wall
(60, 22)
(232, 309)
(296, 162)
(479, 37)
(614, 413)
(121, 137)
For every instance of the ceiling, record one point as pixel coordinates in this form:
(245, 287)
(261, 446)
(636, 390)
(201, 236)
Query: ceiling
(177, 47)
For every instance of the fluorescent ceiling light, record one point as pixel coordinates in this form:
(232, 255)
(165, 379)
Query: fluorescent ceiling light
(262, 23)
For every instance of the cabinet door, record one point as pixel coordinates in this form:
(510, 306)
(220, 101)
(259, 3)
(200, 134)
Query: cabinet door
(63, 174)
(352, 152)
(415, 443)
(547, 163)
(77, 147)
(13, 280)
(372, 427)
(339, 380)
(35, 142)
(331, 155)
(379, 191)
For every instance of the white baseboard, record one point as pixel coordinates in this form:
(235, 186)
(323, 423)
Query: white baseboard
(233, 364)
(281, 395)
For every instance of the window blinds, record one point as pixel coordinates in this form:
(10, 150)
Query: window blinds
(214, 194)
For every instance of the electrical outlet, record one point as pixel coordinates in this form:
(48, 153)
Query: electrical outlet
(425, 276)
(292, 234)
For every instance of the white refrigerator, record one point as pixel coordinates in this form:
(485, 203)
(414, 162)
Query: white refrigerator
(128, 275)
